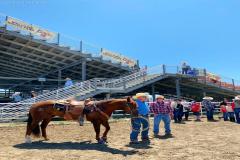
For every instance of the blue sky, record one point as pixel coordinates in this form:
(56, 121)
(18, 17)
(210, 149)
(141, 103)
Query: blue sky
(205, 33)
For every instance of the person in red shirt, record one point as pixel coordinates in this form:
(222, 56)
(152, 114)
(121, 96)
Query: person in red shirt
(223, 109)
(196, 109)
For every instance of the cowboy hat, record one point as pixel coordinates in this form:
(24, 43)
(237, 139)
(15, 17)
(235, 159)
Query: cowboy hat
(237, 98)
(160, 97)
(140, 95)
(208, 98)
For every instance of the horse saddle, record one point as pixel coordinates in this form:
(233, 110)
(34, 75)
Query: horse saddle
(65, 105)
(60, 107)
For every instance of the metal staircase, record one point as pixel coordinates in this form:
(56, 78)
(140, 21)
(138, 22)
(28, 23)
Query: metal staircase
(81, 91)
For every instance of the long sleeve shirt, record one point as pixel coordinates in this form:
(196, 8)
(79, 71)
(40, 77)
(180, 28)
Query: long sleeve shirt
(161, 108)
(207, 105)
(143, 108)
(236, 104)
(68, 83)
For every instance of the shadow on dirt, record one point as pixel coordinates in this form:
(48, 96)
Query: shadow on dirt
(86, 145)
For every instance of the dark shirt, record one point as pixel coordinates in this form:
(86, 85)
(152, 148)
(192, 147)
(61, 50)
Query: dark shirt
(179, 107)
(223, 103)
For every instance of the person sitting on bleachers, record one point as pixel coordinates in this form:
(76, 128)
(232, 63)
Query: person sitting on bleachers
(17, 97)
(68, 82)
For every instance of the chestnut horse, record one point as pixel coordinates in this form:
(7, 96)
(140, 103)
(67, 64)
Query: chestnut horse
(44, 111)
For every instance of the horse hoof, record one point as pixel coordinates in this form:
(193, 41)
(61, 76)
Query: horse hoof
(28, 139)
(101, 141)
(46, 139)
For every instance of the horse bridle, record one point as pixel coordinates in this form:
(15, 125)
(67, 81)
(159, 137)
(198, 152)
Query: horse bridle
(130, 105)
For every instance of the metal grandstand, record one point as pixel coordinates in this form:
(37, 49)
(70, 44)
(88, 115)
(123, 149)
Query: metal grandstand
(29, 62)
(24, 58)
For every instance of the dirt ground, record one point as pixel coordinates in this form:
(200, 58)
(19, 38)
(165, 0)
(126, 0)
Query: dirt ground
(191, 141)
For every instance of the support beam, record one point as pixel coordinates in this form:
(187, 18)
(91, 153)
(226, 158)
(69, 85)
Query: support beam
(204, 94)
(233, 84)
(84, 71)
(108, 96)
(153, 92)
(164, 69)
(59, 78)
(178, 90)
(205, 76)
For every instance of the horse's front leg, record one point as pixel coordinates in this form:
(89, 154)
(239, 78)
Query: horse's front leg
(107, 128)
(96, 126)
(44, 124)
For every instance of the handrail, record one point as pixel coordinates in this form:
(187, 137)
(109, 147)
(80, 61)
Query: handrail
(207, 77)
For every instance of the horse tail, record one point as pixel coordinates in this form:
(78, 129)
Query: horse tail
(29, 121)
(36, 129)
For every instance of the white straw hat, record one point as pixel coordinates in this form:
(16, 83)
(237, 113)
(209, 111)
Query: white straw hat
(140, 95)
(208, 98)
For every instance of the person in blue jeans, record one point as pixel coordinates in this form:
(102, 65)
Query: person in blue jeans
(237, 108)
(178, 111)
(140, 120)
(209, 107)
(162, 111)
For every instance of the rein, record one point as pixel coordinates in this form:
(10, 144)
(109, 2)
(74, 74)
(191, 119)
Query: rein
(141, 117)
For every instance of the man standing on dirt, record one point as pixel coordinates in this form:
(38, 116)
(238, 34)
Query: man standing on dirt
(140, 119)
(209, 107)
(162, 111)
(237, 108)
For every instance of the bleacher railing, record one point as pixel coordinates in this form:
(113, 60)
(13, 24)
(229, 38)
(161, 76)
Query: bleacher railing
(207, 77)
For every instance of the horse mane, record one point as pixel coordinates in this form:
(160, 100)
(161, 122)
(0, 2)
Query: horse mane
(105, 103)
(44, 103)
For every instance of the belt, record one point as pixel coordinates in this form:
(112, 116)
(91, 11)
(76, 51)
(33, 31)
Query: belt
(146, 115)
